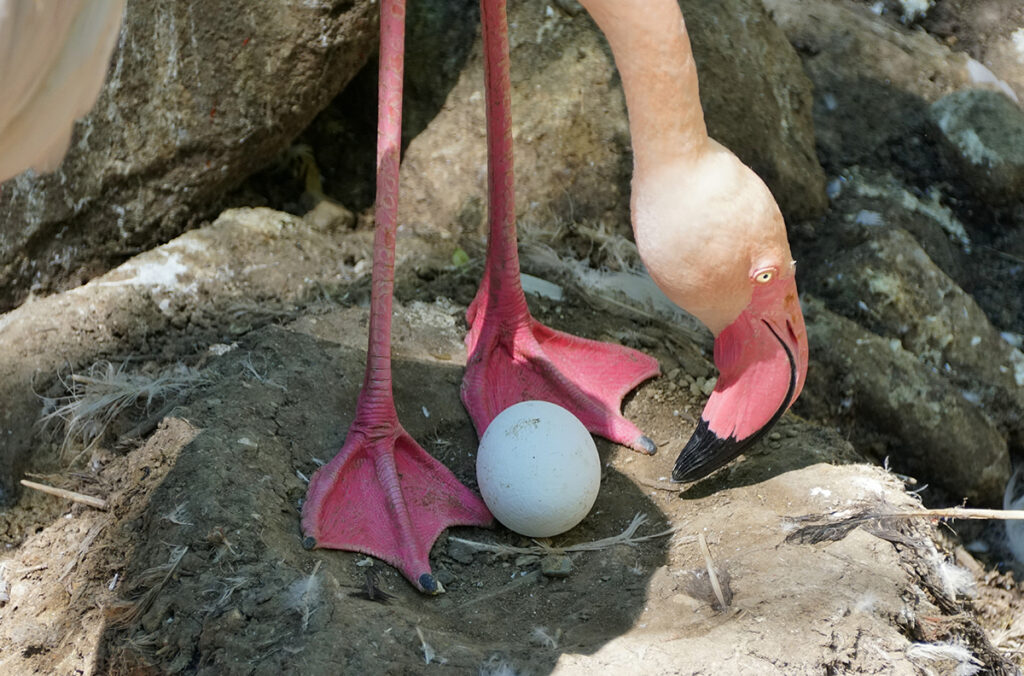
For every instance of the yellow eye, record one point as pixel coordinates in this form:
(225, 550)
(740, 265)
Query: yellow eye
(764, 276)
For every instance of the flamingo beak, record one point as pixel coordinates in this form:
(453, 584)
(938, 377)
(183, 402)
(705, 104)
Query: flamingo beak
(762, 362)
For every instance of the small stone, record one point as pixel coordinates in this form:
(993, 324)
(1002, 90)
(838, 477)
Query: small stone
(232, 620)
(330, 216)
(556, 565)
(775, 436)
(461, 552)
(445, 577)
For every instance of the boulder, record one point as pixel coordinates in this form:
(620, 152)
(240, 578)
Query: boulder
(983, 132)
(198, 96)
(873, 79)
(988, 32)
(891, 286)
(235, 268)
(904, 409)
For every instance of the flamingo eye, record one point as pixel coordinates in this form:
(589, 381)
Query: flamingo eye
(764, 276)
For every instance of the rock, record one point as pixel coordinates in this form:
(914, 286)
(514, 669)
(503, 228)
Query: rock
(890, 286)
(556, 565)
(461, 552)
(935, 433)
(983, 131)
(988, 32)
(225, 267)
(872, 79)
(329, 215)
(571, 132)
(866, 201)
(197, 98)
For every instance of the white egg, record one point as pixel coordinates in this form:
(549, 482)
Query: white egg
(538, 469)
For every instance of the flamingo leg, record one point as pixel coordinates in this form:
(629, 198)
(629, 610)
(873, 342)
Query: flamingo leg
(513, 357)
(383, 494)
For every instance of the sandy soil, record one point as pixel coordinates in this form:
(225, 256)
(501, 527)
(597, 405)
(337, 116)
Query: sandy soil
(196, 565)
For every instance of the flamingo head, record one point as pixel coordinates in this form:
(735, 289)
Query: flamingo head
(714, 240)
(762, 361)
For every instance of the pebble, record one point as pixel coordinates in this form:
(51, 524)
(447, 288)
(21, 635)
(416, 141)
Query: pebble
(556, 565)
(461, 552)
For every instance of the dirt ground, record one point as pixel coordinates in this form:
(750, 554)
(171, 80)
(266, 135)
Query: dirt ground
(196, 566)
(244, 343)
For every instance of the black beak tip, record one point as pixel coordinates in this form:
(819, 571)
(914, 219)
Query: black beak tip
(706, 452)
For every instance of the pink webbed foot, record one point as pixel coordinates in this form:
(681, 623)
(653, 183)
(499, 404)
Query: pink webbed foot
(385, 496)
(382, 494)
(513, 358)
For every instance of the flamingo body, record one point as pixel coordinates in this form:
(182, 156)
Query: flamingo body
(709, 232)
(54, 56)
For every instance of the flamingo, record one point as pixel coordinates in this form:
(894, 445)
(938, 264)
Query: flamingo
(53, 60)
(706, 227)
(708, 231)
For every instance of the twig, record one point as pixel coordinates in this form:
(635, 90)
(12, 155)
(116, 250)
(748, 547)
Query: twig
(626, 537)
(961, 513)
(712, 575)
(98, 503)
(25, 571)
(835, 526)
(83, 546)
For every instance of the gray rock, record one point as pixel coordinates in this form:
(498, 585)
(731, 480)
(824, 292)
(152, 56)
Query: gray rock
(461, 552)
(556, 565)
(872, 79)
(987, 32)
(928, 428)
(866, 201)
(891, 286)
(983, 131)
(198, 96)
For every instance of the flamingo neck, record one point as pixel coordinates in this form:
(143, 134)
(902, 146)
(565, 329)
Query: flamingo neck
(652, 52)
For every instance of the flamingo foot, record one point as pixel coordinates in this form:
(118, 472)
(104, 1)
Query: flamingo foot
(385, 496)
(513, 358)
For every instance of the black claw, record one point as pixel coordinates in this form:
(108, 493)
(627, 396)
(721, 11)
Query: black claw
(430, 585)
(309, 542)
(649, 447)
